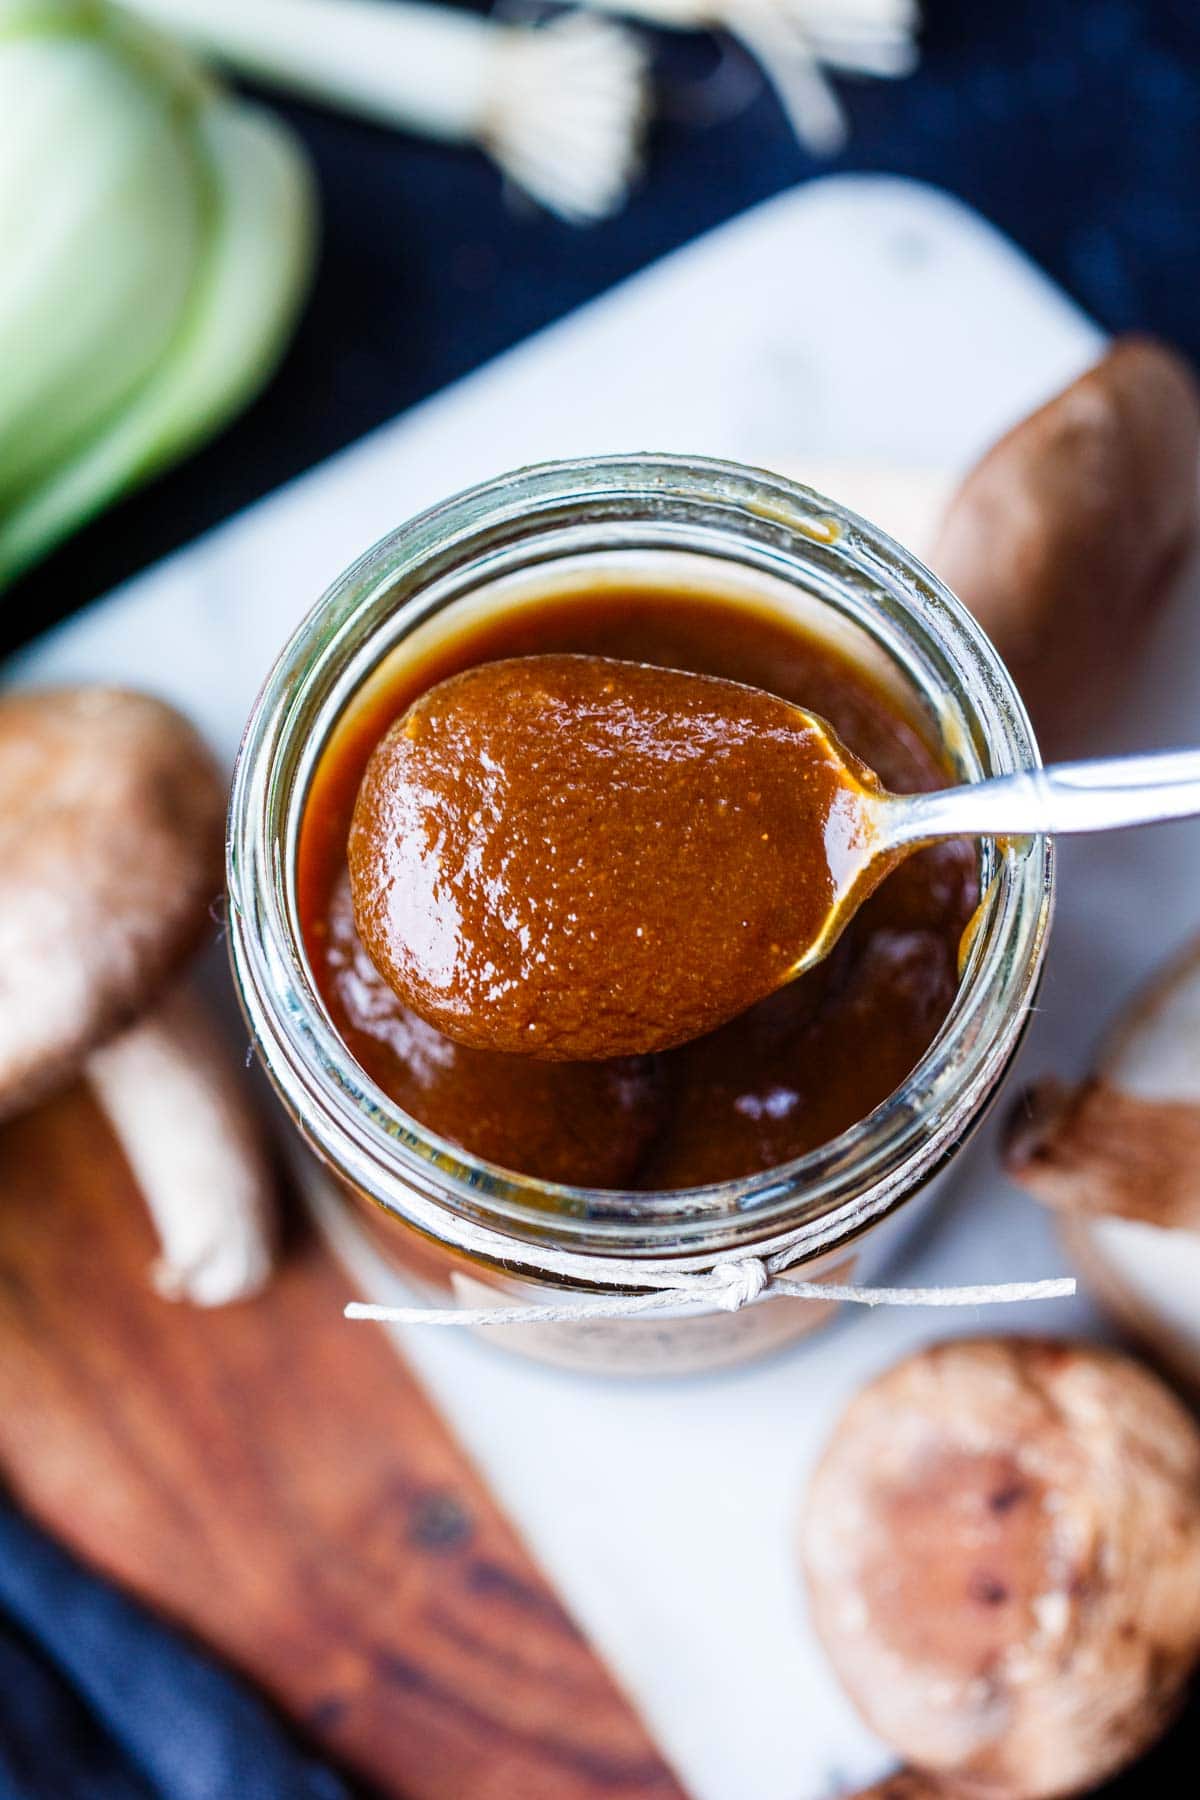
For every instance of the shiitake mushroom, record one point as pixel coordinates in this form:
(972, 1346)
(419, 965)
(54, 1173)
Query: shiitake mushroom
(1002, 1552)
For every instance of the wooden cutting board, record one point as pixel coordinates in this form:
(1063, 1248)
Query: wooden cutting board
(279, 1484)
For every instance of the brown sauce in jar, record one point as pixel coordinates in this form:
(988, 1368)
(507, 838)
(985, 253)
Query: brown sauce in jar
(784, 1076)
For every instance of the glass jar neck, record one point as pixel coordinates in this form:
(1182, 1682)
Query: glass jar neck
(551, 525)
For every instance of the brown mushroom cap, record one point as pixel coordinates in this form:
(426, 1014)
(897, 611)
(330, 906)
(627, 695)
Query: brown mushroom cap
(111, 841)
(1002, 1548)
(1063, 540)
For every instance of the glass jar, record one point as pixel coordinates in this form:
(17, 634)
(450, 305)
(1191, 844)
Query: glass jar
(461, 1228)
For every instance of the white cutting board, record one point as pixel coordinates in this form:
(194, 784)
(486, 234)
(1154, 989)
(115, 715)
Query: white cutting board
(853, 318)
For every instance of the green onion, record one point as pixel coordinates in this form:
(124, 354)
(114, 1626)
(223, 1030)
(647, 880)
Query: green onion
(157, 238)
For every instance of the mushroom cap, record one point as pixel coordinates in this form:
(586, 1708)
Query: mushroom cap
(112, 815)
(1002, 1549)
(1064, 539)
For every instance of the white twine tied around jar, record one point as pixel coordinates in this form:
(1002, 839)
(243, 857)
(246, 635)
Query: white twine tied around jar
(729, 1286)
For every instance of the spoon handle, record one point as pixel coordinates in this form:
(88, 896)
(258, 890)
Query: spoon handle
(1103, 795)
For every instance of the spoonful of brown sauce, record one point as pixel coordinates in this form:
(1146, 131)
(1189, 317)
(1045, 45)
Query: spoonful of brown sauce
(572, 858)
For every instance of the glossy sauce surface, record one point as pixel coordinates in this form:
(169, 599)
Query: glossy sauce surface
(781, 1078)
(573, 858)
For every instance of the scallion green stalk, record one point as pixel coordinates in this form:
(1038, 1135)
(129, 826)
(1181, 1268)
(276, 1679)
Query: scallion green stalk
(157, 240)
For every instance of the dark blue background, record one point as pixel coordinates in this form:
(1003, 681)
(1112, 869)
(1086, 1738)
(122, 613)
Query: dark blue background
(1073, 124)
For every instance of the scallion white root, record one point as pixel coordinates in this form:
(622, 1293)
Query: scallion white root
(564, 116)
(797, 42)
(559, 107)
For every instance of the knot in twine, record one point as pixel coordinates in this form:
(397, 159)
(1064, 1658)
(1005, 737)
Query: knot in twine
(738, 1284)
(726, 1287)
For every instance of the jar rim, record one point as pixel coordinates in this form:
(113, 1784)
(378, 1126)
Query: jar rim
(829, 1193)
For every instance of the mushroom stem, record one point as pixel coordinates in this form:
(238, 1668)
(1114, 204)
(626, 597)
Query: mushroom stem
(1127, 1141)
(173, 1098)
